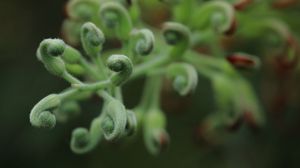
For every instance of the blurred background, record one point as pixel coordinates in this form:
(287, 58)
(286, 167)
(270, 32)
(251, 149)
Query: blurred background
(24, 81)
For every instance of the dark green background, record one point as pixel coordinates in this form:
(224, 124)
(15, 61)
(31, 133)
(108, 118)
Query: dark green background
(24, 81)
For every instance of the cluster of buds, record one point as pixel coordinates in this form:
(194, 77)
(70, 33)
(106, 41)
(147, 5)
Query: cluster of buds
(117, 50)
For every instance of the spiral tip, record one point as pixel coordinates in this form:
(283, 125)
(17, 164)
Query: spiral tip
(122, 66)
(144, 43)
(96, 36)
(111, 19)
(81, 9)
(53, 47)
(79, 138)
(47, 120)
(115, 16)
(114, 63)
(175, 32)
(107, 126)
(179, 83)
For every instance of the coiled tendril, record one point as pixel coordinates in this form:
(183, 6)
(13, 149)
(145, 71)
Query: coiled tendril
(40, 115)
(83, 10)
(177, 35)
(184, 76)
(278, 37)
(83, 141)
(49, 52)
(122, 66)
(92, 39)
(155, 136)
(114, 120)
(143, 40)
(114, 16)
(218, 14)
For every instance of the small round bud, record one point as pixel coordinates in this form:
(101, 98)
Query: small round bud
(47, 120)
(184, 76)
(40, 116)
(83, 140)
(115, 16)
(83, 10)
(92, 39)
(175, 33)
(107, 125)
(143, 41)
(114, 121)
(82, 137)
(56, 47)
(50, 52)
(51, 47)
(122, 65)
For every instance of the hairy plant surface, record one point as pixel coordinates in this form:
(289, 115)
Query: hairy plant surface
(111, 42)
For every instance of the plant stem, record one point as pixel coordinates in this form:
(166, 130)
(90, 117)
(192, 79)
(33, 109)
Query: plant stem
(143, 68)
(151, 93)
(68, 77)
(88, 67)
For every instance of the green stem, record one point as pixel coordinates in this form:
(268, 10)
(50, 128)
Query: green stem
(70, 78)
(143, 68)
(100, 66)
(118, 93)
(146, 95)
(105, 95)
(88, 67)
(79, 87)
(93, 86)
(209, 65)
(68, 93)
(156, 89)
(151, 93)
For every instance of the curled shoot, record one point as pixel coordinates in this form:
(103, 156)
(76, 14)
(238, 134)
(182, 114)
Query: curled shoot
(122, 66)
(92, 39)
(114, 16)
(184, 76)
(114, 120)
(178, 36)
(83, 10)
(50, 52)
(218, 15)
(41, 115)
(143, 41)
(83, 140)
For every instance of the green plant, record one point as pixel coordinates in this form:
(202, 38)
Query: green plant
(145, 52)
